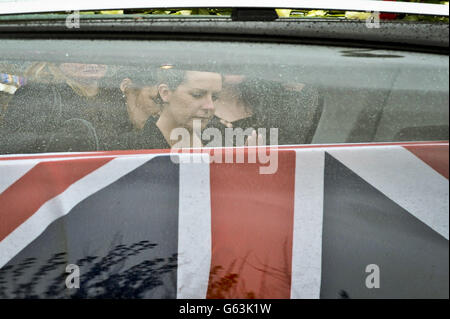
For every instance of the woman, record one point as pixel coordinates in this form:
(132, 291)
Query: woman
(139, 100)
(187, 105)
(255, 103)
(61, 109)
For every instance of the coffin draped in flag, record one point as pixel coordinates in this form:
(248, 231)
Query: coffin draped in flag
(141, 225)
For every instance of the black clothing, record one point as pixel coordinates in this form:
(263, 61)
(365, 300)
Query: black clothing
(221, 125)
(151, 137)
(44, 117)
(295, 114)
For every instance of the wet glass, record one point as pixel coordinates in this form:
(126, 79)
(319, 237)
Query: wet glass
(77, 95)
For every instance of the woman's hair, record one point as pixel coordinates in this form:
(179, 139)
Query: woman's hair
(295, 113)
(265, 99)
(172, 77)
(140, 77)
(46, 72)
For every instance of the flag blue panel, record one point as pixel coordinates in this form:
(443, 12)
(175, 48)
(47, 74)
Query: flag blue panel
(361, 226)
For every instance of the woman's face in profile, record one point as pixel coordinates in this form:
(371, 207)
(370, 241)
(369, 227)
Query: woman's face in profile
(83, 72)
(145, 99)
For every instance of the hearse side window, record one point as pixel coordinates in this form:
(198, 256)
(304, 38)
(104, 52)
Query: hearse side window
(89, 100)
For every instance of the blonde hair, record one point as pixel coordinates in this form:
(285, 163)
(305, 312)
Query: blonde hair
(46, 72)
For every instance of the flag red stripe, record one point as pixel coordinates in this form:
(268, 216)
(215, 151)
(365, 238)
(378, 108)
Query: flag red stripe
(252, 218)
(435, 156)
(42, 183)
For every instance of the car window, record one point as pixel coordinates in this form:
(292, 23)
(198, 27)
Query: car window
(80, 95)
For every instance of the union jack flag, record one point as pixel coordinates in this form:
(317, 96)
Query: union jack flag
(140, 225)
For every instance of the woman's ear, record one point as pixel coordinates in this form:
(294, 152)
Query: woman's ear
(164, 92)
(125, 84)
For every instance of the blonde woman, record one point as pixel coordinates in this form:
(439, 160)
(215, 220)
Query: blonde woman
(60, 109)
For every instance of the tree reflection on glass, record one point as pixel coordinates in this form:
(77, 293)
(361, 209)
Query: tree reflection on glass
(103, 277)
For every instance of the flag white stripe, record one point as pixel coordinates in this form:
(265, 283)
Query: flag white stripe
(194, 230)
(403, 178)
(63, 204)
(308, 219)
(11, 171)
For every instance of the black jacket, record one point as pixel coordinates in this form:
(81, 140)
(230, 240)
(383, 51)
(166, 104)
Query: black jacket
(53, 118)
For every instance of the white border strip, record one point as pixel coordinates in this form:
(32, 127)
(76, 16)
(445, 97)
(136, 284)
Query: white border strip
(194, 229)
(405, 179)
(61, 155)
(63, 204)
(43, 155)
(35, 6)
(308, 221)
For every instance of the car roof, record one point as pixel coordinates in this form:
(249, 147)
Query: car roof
(39, 6)
(416, 32)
